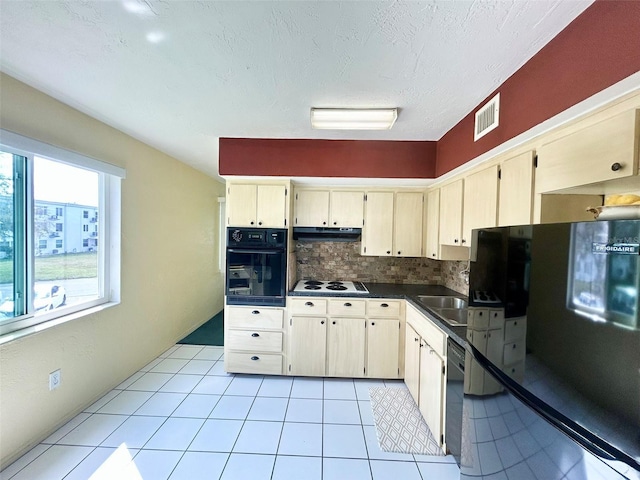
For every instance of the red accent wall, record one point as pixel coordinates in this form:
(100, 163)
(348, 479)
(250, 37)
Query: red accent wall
(327, 158)
(598, 49)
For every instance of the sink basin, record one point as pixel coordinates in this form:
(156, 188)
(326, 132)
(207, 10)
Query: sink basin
(430, 301)
(453, 316)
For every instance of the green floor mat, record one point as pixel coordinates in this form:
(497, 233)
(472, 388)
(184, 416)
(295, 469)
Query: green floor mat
(210, 333)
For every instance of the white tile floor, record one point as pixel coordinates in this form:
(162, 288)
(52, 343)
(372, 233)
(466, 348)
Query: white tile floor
(183, 417)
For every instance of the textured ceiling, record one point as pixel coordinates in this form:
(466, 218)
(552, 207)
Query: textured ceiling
(180, 74)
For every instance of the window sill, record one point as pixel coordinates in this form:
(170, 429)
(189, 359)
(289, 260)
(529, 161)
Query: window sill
(54, 322)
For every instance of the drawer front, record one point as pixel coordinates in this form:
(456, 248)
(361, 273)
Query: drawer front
(383, 308)
(496, 318)
(254, 341)
(347, 307)
(254, 317)
(267, 363)
(515, 329)
(478, 318)
(515, 371)
(514, 352)
(308, 306)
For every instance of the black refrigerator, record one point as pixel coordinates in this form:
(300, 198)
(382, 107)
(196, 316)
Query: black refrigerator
(557, 395)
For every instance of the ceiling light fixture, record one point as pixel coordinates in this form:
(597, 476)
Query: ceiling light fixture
(353, 118)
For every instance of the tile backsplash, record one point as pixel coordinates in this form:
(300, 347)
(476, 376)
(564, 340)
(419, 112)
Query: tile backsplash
(342, 261)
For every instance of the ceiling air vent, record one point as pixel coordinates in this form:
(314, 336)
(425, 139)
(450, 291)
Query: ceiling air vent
(487, 118)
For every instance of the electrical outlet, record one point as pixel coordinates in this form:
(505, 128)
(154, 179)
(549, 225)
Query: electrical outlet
(54, 380)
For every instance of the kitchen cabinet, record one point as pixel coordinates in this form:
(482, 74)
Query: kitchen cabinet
(606, 150)
(432, 245)
(480, 202)
(485, 331)
(254, 339)
(345, 337)
(328, 208)
(257, 205)
(516, 190)
(451, 213)
(393, 224)
(425, 369)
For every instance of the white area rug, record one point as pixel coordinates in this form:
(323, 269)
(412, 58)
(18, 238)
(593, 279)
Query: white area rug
(399, 425)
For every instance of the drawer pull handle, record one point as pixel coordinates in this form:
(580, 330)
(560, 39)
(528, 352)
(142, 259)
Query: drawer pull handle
(322, 322)
(308, 304)
(415, 339)
(384, 305)
(256, 312)
(255, 334)
(373, 323)
(514, 347)
(515, 323)
(347, 304)
(479, 314)
(333, 322)
(254, 358)
(616, 166)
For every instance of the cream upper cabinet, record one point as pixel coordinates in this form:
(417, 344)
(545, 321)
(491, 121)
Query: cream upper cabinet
(407, 230)
(251, 205)
(433, 224)
(311, 208)
(603, 151)
(516, 190)
(347, 209)
(480, 202)
(451, 213)
(377, 235)
(328, 208)
(393, 224)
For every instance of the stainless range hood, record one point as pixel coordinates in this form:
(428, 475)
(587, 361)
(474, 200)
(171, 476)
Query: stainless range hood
(326, 234)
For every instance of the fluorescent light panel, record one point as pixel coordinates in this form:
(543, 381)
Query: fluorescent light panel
(353, 118)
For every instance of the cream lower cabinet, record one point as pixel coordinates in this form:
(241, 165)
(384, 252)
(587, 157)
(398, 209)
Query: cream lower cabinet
(344, 337)
(254, 339)
(425, 361)
(485, 331)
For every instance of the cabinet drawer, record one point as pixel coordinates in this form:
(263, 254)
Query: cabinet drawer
(268, 363)
(515, 371)
(514, 352)
(254, 341)
(308, 306)
(515, 329)
(347, 307)
(254, 317)
(433, 336)
(383, 308)
(496, 318)
(477, 318)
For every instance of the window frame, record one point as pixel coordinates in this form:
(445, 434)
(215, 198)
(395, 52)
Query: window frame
(108, 224)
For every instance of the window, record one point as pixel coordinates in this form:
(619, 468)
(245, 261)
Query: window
(38, 284)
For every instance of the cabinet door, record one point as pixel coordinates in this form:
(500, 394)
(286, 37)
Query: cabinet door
(242, 205)
(377, 238)
(412, 362)
(347, 209)
(345, 347)
(451, 214)
(431, 390)
(272, 206)
(480, 202)
(433, 224)
(604, 151)
(307, 346)
(382, 348)
(312, 208)
(516, 191)
(407, 238)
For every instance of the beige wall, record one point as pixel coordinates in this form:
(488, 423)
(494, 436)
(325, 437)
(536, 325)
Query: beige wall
(170, 279)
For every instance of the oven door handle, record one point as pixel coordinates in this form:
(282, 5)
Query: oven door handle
(258, 251)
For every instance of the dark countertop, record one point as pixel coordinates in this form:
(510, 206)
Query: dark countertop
(406, 292)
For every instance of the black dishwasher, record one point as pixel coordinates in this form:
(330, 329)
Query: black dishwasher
(455, 391)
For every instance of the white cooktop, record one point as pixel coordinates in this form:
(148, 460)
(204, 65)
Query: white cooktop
(327, 286)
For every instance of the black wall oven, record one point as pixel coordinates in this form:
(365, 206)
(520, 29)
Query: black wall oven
(256, 271)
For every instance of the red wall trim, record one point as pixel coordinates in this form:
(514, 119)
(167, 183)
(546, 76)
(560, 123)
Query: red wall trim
(327, 158)
(598, 49)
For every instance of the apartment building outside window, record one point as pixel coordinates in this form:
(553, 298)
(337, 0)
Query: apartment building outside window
(47, 195)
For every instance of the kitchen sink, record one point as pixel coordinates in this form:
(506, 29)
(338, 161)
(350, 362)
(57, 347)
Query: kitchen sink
(453, 316)
(431, 301)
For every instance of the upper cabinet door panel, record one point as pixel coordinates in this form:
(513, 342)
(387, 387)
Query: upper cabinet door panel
(516, 190)
(604, 151)
(272, 206)
(433, 224)
(451, 214)
(242, 205)
(312, 208)
(408, 224)
(480, 202)
(347, 209)
(378, 228)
